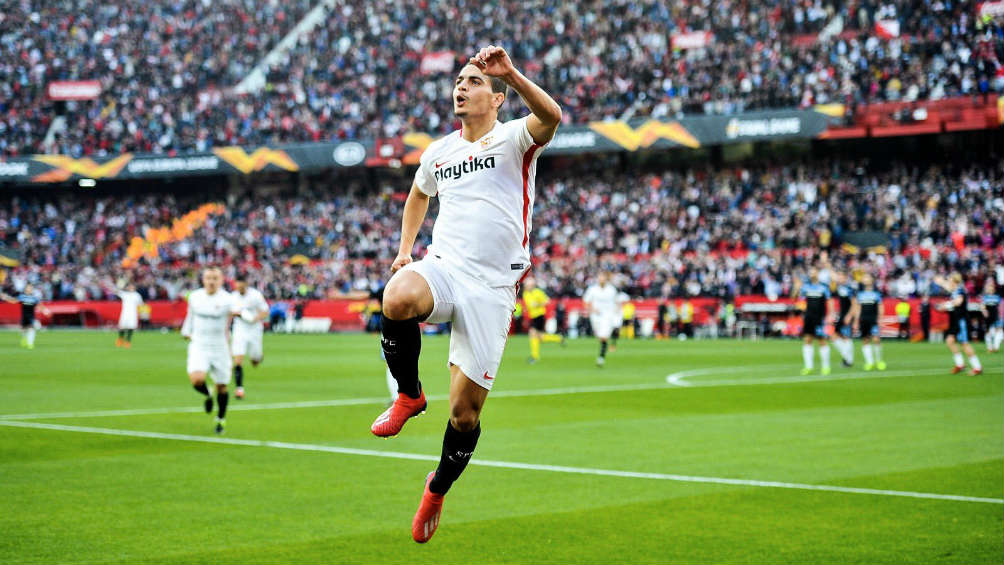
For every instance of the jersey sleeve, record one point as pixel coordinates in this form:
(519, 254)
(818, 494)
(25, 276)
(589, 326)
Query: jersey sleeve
(424, 179)
(520, 135)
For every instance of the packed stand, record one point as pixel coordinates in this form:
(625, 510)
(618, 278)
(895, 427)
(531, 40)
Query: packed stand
(168, 68)
(720, 232)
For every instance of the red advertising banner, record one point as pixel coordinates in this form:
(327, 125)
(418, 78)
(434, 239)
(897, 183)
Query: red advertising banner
(74, 90)
(348, 315)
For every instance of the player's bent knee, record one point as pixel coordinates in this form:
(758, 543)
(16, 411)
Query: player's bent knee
(464, 420)
(222, 389)
(407, 296)
(197, 378)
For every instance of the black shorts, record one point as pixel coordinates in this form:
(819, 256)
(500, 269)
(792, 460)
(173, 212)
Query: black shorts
(813, 326)
(959, 328)
(868, 327)
(538, 323)
(27, 322)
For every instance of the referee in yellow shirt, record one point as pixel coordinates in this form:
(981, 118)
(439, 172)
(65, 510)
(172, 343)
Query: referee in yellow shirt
(536, 309)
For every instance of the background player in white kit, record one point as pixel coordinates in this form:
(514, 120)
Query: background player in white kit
(207, 327)
(484, 177)
(249, 328)
(603, 303)
(129, 317)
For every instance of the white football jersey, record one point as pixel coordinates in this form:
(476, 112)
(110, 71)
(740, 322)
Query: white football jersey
(208, 317)
(603, 300)
(249, 304)
(486, 192)
(130, 302)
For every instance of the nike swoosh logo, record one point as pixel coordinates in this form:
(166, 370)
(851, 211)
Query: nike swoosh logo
(439, 165)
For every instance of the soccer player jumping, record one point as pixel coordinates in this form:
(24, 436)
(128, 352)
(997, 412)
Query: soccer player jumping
(483, 175)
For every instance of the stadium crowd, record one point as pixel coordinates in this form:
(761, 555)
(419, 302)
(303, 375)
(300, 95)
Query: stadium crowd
(168, 68)
(721, 232)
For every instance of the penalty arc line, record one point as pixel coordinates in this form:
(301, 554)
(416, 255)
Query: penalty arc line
(503, 464)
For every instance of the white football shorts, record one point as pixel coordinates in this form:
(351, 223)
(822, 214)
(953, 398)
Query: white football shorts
(248, 341)
(603, 325)
(214, 361)
(481, 317)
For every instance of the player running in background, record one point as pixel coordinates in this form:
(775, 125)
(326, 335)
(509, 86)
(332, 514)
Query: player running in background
(957, 307)
(129, 317)
(30, 300)
(816, 295)
(866, 309)
(207, 328)
(992, 316)
(602, 302)
(249, 329)
(842, 331)
(628, 311)
(484, 177)
(536, 301)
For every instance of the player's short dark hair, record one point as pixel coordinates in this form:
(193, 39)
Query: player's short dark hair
(499, 85)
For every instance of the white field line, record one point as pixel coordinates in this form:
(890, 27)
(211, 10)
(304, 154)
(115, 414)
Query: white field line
(679, 379)
(503, 464)
(674, 380)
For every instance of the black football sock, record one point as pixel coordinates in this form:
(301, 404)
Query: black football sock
(603, 349)
(239, 375)
(402, 343)
(129, 335)
(221, 401)
(614, 336)
(201, 388)
(121, 334)
(457, 450)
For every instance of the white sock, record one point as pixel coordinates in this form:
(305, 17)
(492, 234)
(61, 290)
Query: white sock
(877, 351)
(849, 348)
(807, 355)
(31, 336)
(998, 338)
(824, 355)
(959, 360)
(391, 385)
(866, 350)
(974, 362)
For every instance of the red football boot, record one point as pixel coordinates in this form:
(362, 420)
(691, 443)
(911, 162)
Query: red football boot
(389, 423)
(975, 372)
(427, 518)
(957, 369)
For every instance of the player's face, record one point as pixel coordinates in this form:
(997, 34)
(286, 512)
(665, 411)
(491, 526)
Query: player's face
(472, 93)
(212, 279)
(28, 289)
(989, 287)
(603, 278)
(814, 275)
(241, 286)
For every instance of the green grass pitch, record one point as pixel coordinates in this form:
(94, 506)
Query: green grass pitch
(575, 463)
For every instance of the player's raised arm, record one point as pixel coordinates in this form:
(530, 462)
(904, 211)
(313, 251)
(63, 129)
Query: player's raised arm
(415, 208)
(545, 112)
